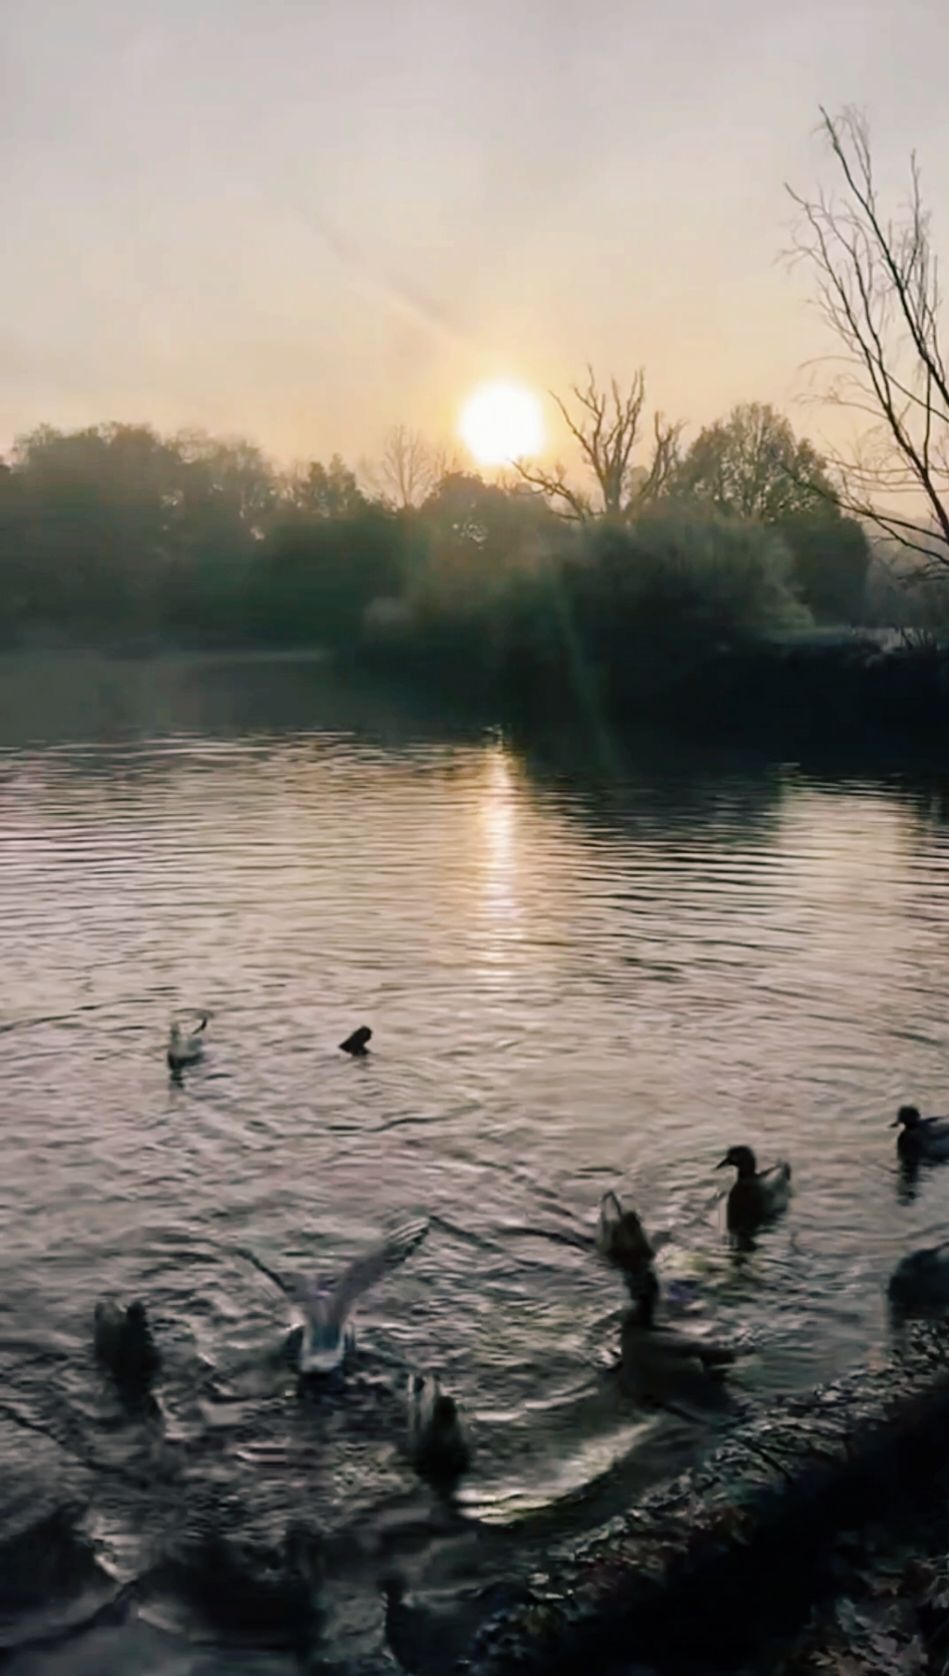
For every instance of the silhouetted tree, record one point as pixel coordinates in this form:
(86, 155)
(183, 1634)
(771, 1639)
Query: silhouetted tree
(878, 291)
(606, 428)
(407, 469)
(752, 466)
(327, 491)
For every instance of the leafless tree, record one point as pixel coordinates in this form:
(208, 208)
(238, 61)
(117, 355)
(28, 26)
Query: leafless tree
(878, 291)
(408, 468)
(605, 425)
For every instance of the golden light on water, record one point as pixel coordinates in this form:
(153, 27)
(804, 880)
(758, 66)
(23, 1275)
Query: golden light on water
(501, 422)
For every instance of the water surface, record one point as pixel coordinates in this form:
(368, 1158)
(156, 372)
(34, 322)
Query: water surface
(578, 980)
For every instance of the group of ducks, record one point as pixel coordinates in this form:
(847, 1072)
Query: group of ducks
(659, 1361)
(919, 1282)
(439, 1444)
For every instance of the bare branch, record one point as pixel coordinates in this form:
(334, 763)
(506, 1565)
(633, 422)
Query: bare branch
(605, 426)
(407, 469)
(878, 292)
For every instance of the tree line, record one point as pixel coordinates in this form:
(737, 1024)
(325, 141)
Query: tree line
(618, 577)
(116, 533)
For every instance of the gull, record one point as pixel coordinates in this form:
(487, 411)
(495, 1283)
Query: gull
(327, 1307)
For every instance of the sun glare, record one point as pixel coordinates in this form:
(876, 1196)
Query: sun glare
(501, 422)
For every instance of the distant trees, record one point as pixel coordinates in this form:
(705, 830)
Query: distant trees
(330, 491)
(606, 427)
(752, 466)
(118, 533)
(407, 469)
(878, 291)
(121, 530)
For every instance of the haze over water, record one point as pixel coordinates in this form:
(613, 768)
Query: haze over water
(574, 985)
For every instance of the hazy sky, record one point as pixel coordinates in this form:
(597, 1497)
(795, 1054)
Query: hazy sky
(309, 219)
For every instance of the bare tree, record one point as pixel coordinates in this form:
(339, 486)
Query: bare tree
(878, 291)
(605, 425)
(408, 468)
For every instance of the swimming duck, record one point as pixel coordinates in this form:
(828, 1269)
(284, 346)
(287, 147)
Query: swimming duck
(621, 1237)
(921, 1137)
(124, 1344)
(358, 1043)
(327, 1308)
(440, 1449)
(756, 1195)
(185, 1047)
(920, 1281)
(660, 1362)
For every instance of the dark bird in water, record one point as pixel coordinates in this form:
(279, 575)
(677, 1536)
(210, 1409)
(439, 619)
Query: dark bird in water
(621, 1237)
(124, 1344)
(185, 1047)
(756, 1195)
(660, 1363)
(358, 1043)
(327, 1308)
(440, 1450)
(921, 1280)
(921, 1137)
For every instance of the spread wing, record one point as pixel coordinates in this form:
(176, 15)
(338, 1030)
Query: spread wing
(326, 1307)
(331, 1306)
(287, 1283)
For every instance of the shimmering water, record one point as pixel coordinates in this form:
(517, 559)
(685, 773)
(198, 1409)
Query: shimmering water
(578, 979)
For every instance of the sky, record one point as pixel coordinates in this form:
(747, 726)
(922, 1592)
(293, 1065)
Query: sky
(310, 220)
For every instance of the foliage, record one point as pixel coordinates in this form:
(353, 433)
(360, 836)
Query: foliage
(681, 586)
(605, 612)
(117, 533)
(751, 465)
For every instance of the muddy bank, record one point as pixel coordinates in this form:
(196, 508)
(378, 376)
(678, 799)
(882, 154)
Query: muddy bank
(736, 1552)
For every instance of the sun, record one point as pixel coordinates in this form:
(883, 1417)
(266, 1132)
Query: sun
(501, 422)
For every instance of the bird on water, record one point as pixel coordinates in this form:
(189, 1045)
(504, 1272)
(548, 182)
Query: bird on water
(327, 1307)
(357, 1045)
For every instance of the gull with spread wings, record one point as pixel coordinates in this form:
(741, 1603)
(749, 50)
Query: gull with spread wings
(327, 1307)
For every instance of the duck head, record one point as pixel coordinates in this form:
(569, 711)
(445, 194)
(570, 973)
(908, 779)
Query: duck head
(740, 1158)
(358, 1042)
(444, 1413)
(907, 1116)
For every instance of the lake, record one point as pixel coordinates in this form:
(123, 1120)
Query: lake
(584, 970)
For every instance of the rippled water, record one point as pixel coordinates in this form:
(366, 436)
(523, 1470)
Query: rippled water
(577, 980)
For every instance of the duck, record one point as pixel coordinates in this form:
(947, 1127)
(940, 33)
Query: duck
(621, 1237)
(660, 1362)
(756, 1195)
(920, 1281)
(921, 1137)
(357, 1045)
(327, 1307)
(185, 1047)
(440, 1450)
(124, 1344)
